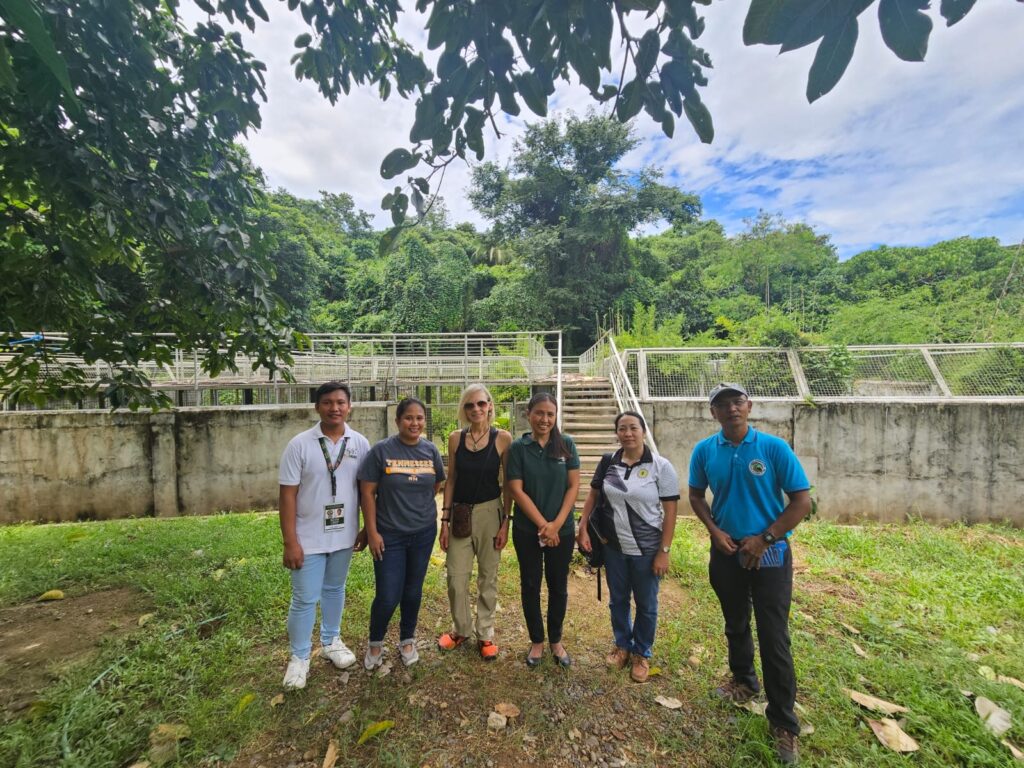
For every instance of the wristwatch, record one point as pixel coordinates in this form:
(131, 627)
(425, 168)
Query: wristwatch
(666, 550)
(769, 538)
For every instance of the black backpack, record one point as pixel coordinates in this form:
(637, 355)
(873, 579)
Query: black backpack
(600, 526)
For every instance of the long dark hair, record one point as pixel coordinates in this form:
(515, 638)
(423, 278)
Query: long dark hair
(556, 447)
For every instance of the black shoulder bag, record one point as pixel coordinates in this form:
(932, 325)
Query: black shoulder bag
(599, 521)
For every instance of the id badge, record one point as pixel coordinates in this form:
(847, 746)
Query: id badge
(334, 518)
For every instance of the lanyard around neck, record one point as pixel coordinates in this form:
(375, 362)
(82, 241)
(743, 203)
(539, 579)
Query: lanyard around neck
(333, 466)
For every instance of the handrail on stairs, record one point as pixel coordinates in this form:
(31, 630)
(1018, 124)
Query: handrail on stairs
(614, 367)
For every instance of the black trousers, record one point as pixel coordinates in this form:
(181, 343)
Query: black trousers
(551, 564)
(769, 591)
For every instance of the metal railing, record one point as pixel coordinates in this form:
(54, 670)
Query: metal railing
(383, 362)
(926, 371)
(613, 366)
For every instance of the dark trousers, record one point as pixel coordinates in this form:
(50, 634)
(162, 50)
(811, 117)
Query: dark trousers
(769, 591)
(399, 578)
(551, 564)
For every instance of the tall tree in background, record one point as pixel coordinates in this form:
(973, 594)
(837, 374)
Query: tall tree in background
(570, 211)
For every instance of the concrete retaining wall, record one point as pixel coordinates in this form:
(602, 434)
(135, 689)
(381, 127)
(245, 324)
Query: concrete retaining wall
(75, 465)
(868, 461)
(956, 461)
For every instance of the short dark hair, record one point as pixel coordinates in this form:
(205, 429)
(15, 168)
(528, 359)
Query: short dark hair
(331, 386)
(405, 402)
(635, 415)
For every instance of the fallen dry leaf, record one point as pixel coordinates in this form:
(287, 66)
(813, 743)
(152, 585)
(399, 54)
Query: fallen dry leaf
(757, 707)
(987, 672)
(277, 701)
(892, 736)
(496, 721)
(506, 709)
(693, 661)
(668, 702)
(331, 755)
(806, 729)
(858, 650)
(51, 594)
(375, 730)
(1011, 681)
(996, 719)
(218, 574)
(1018, 755)
(164, 740)
(654, 671)
(871, 702)
(852, 630)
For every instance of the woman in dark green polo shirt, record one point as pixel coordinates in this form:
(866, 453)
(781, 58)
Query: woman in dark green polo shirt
(543, 475)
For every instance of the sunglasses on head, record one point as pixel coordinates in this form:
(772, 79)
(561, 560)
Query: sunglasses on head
(478, 404)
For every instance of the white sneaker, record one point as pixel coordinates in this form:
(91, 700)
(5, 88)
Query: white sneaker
(371, 662)
(295, 675)
(338, 654)
(412, 656)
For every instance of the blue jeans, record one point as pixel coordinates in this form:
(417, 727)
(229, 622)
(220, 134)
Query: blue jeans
(632, 574)
(399, 579)
(321, 577)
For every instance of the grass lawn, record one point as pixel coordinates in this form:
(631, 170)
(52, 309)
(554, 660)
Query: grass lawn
(181, 621)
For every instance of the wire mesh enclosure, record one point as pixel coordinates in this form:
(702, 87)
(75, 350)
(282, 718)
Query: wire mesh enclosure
(863, 372)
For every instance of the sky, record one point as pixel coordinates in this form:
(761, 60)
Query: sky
(898, 153)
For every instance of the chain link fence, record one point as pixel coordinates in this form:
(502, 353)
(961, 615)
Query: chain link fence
(869, 372)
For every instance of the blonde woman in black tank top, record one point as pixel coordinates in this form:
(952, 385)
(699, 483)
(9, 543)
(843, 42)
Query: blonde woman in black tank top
(476, 458)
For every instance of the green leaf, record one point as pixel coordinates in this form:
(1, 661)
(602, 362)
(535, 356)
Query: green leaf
(375, 730)
(532, 91)
(24, 15)
(507, 97)
(303, 40)
(830, 61)
(398, 161)
(600, 23)
(954, 10)
(668, 124)
(905, 27)
(647, 53)
(258, 9)
(7, 79)
(387, 241)
(699, 118)
(630, 101)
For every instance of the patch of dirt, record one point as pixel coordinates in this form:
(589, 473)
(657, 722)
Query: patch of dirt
(39, 641)
(587, 716)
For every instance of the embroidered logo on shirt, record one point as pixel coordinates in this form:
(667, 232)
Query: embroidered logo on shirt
(643, 473)
(757, 467)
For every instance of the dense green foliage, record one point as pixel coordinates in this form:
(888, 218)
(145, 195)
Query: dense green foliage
(562, 252)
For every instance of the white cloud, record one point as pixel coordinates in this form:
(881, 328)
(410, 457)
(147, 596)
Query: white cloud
(898, 153)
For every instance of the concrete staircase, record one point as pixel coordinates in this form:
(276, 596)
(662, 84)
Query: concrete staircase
(588, 415)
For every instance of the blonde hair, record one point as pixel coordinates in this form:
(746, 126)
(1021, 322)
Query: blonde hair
(477, 387)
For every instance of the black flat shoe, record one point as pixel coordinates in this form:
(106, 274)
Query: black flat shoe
(564, 661)
(533, 661)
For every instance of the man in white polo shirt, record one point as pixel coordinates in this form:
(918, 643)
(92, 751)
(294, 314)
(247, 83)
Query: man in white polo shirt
(319, 503)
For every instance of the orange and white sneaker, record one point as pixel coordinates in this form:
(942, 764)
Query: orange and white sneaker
(449, 641)
(488, 650)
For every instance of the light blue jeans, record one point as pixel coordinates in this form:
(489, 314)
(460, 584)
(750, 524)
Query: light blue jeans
(321, 578)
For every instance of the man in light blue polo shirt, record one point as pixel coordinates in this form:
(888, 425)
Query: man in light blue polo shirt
(749, 522)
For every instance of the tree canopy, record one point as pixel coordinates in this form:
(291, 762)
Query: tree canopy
(127, 209)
